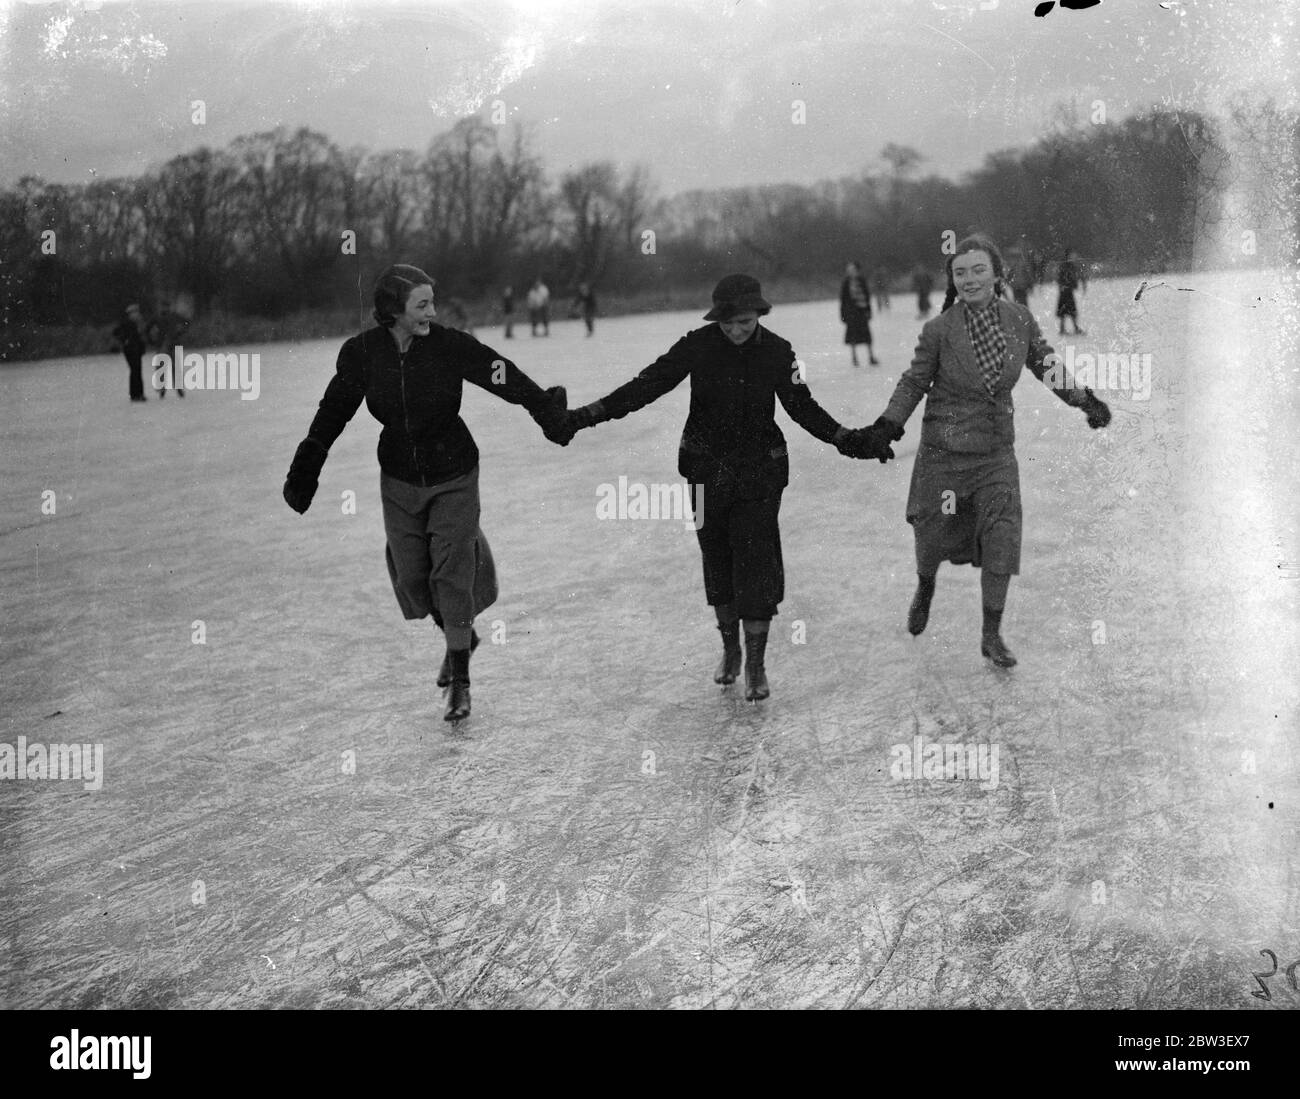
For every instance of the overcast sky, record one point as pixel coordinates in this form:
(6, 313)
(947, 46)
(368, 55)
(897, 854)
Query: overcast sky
(701, 91)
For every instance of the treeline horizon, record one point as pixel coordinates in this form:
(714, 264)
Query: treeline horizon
(280, 222)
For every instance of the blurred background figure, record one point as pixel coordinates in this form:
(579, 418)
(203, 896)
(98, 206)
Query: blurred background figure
(584, 302)
(855, 312)
(457, 316)
(1069, 277)
(508, 310)
(539, 307)
(880, 287)
(172, 325)
(922, 284)
(130, 337)
(1020, 272)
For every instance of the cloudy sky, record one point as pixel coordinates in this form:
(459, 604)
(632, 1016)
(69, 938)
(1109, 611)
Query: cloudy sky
(703, 91)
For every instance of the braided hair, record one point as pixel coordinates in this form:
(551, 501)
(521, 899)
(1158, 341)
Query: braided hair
(392, 288)
(976, 242)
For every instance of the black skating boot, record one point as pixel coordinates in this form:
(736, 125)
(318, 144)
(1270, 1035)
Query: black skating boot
(458, 697)
(991, 644)
(755, 675)
(729, 668)
(918, 614)
(444, 673)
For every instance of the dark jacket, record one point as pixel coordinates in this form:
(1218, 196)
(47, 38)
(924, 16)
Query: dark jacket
(960, 415)
(730, 438)
(131, 337)
(847, 305)
(416, 396)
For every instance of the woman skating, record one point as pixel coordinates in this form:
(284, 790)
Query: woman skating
(855, 312)
(964, 502)
(410, 373)
(732, 448)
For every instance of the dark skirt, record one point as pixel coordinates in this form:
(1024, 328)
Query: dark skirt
(1065, 306)
(857, 329)
(438, 558)
(965, 508)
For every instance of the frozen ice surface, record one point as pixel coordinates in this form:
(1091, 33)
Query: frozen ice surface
(286, 820)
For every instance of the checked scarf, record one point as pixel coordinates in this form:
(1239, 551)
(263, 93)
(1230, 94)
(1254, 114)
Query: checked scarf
(989, 341)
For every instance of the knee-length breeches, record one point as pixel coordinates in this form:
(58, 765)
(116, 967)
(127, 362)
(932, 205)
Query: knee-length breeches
(965, 508)
(438, 559)
(740, 541)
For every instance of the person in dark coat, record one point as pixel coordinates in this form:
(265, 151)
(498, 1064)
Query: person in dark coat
(732, 449)
(584, 302)
(508, 310)
(922, 285)
(964, 501)
(855, 312)
(410, 372)
(1069, 277)
(130, 336)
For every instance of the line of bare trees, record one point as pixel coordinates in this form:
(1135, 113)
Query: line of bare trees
(282, 221)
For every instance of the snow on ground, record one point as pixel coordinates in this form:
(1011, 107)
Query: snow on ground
(286, 820)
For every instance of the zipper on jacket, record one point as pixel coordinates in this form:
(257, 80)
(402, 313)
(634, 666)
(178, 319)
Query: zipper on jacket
(406, 418)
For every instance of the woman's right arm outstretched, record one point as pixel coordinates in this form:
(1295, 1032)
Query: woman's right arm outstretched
(343, 396)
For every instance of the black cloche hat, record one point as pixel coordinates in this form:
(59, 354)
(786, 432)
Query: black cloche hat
(737, 294)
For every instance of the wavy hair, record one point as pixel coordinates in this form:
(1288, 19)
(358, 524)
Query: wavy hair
(392, 288)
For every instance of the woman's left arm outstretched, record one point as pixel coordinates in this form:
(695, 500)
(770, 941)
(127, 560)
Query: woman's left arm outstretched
(500, 377)
(1045, 365)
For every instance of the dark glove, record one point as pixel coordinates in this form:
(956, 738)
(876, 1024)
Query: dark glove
(552, 418)
(1097, 411)
(304, 474)
(862, 442)
(588, 416)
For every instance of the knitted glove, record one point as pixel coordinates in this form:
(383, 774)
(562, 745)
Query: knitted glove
(304, 474)
(1097, 411)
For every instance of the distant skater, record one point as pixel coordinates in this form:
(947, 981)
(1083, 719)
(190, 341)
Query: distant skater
(410, 372)
(539, 307)
(964, 500)
(735, 458)
(584, 302)
(130, 337)
(172, 327)
(880, 288)
(855, 312)
(508, 310)
(1020, 275)
(922, 285)
(1069, 277)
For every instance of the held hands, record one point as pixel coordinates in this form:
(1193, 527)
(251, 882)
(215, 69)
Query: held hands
(304, 474)
(552, 418)
(1097, 411)
(869, 442)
